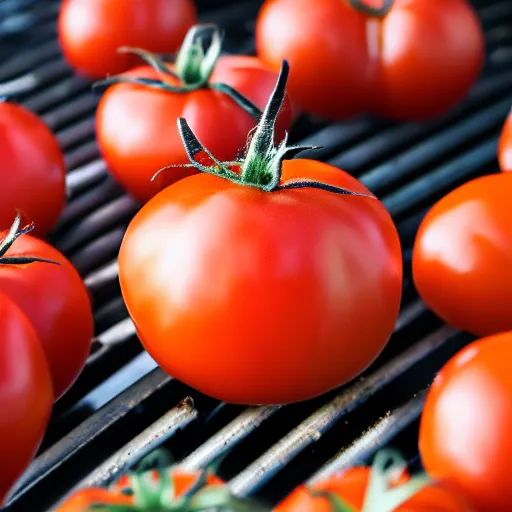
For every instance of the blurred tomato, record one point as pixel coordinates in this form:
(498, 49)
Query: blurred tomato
(462, 257)
(32, 175)
(414, 62)
(91, 31)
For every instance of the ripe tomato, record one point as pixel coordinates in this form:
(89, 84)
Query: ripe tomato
(136, 151)
(153, 489)
(269, 278)
(55, 300)
(351, 488)
(466, 423)
(407, 64)
(505, 146)
(26, 395)
(461, 257)
(32, 169)
(90, 33)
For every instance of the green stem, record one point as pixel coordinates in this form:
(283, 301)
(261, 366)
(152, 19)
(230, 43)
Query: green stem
(14, 232)
(378, 12)
(261, 166)
(192, 70)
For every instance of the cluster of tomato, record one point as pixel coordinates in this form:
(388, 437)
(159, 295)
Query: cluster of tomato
(46, 323)
(248, 275)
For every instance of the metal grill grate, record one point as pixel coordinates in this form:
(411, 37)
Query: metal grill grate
(123, 406)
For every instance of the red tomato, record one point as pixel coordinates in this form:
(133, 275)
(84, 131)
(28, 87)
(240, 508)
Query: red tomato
(351, 487)
(90, 32)
(136, 151)
(409, 64)
(271, 290)
(466, 423)
(32, 167)
(26, 395)
(461, 259)
(505, 146)
(55, 300)
(87, 500)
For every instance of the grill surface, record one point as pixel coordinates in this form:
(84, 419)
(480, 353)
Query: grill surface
(123, 405)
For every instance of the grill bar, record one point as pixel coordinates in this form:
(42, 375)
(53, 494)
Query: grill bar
(309, 431)
(377, 436)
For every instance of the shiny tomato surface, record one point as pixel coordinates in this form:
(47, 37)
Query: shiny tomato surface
(415, 62)
(136, 124)
(466, 423)
(91, 31)
(55, 300)
(263, 297)
(462, 259)
(26, 395)
(32, 170)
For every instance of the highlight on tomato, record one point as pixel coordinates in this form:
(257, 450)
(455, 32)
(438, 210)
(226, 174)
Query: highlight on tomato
(386, 486)
(505, 146)
(32, 170)
(283, 276)
(220, 96)
(466, 423)
(49, 290)
(26, 395)
(461, 256)
(90, 32)
(400, 59)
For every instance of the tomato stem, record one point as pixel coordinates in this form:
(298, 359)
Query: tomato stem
(261, 166)
(379, 496)
(378, 12)
(337, 504)
(15, 231)
(193, 68)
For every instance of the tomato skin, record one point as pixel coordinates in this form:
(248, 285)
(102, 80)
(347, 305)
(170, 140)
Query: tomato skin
(409, 65)
(505, 146)
(271, 290)
(90, 33)
(26, 394)
(466, 423)
(33, 169)
(135, 152)
(84, 500)
(55, 300)
(351, 487)
(461, 257)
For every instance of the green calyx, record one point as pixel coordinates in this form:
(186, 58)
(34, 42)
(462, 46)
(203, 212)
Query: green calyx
(193, 68)
(381, 496)
(377, 12)
(15, 231)
(261, 166)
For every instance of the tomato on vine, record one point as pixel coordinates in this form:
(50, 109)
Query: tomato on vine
(400, 59)
(283, 276)
(90, 32)
(221, 98)
(49, 290)
(375, 489)
(466, 423)
(33, 172)
(26, 395)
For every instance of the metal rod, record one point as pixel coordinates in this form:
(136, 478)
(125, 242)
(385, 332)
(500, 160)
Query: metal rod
(373, 439)
(228, 437)
(312, 429)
